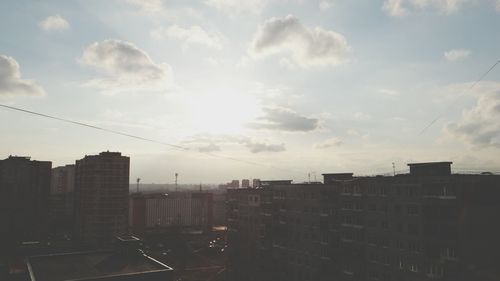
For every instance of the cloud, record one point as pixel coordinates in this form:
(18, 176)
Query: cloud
(257, 147)
(305, 46)
(149, 6)
(11, 83)
(284, 119)
(192, 35)
(54, 23)
(395, 8)
(125, 66)
(399, 8)
(238, 6)
(211, 147)
(479, 125)
(210, 143)
(329, 143)
(325, 4)
(497, 6)
(456, 54)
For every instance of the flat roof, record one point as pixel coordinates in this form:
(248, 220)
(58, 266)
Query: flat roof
(90, 265)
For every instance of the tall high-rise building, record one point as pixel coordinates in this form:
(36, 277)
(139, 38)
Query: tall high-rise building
(429, 224)
(101, 197)
(24, 194)
(61, 202)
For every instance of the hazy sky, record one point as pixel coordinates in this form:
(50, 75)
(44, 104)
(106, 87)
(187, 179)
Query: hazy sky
(294, 86)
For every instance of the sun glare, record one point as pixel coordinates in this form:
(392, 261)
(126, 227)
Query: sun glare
(224, 112)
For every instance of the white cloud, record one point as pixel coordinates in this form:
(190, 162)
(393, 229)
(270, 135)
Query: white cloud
(192, 35)
(238, 6)
(401, 8)
(362, 116)
(389, 92)
(210, 143)
(395, 8)
(126, 67)
(306, 46)
(257, 147)
(497, 5)
(284, 119)
(11, 83)
(456, 54)
(54, 23)
(325, 4)
(479, 125)
(149, 6)
(329, 143)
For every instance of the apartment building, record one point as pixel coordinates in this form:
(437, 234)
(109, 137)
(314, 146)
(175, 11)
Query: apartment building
(101, 197)
(158, 212)
(429, 224)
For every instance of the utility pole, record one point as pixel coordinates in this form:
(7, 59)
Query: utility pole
(138, 180)
(393, 169)
(176, 175)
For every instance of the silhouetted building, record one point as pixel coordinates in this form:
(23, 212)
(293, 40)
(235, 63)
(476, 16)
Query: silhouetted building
(24, 195)
(125, 263)
(255, 183)
(101, 197)
(158, 212)
(220, 210)
(61, 203)
(425, 225)
(245, 183)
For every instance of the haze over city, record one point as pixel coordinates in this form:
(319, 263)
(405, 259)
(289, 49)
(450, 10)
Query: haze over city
(294, 87)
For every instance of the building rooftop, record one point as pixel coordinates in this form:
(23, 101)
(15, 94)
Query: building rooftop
(92, 266)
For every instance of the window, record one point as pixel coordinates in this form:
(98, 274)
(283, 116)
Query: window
(413, 267)
(448, 252)
(412, 229)
(412, 210)
(436, 270)
(414, 246)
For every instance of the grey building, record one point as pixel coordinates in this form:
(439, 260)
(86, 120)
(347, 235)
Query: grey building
(101, 197)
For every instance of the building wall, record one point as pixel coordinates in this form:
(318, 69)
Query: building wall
(61, 202)
(408, 227)
(101, 196)
(158, 211)
(24, 195)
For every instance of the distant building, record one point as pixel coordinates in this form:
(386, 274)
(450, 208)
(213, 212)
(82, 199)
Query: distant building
(255, 183)
(24, 196)
(158, 212)
(425, 225)
(126, 263)
(234, 184)
(101, 197)
(245, 183)
(61, 202)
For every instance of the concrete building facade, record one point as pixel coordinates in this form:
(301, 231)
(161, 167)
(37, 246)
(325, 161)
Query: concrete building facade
(24, 196)
(157, 212)
(425, 225)
(101, 197)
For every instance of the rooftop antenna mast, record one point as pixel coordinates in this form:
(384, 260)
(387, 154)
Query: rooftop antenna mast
(138, 180)
(176, 175)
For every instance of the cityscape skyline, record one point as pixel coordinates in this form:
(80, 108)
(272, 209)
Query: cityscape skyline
(298, 87)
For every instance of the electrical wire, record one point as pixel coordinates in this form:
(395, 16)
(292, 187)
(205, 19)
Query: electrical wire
(174, 146)
(465, 91)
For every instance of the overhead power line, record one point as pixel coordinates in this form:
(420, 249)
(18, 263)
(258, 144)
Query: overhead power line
(174, 146)
(465, 91)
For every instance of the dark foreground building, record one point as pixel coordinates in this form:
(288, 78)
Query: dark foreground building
(101, 197)
(24, 198)
(124, 264)
(425, 225)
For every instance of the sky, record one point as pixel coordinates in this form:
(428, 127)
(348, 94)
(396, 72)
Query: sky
(269, 89)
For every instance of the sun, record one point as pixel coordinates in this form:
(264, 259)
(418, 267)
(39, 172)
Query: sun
(224, 112)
